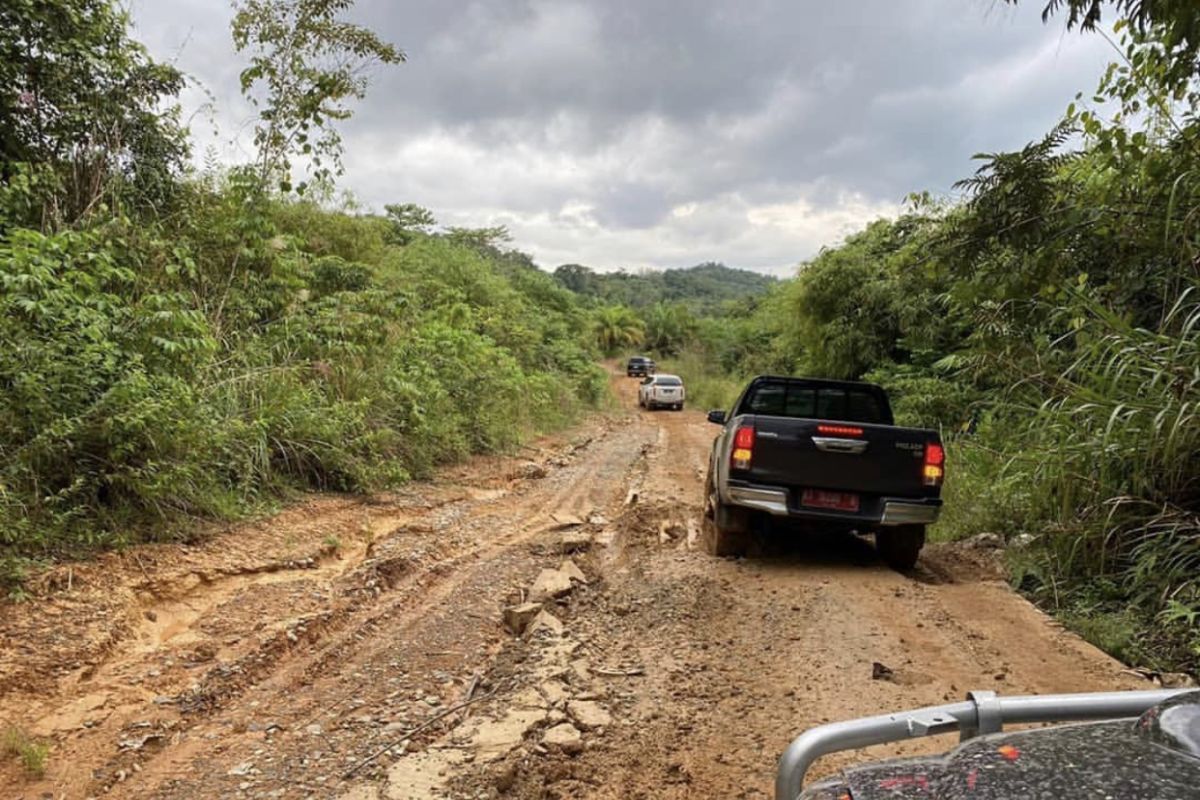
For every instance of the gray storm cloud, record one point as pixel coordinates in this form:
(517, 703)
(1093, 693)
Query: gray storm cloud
(656, 133)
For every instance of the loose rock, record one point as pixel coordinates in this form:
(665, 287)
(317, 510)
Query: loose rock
(881, 672)
(517, 618)
(530, 470)
(549, 583)
(985, 541)
(565, 520)
(546, 623)
(575, 542)
(505, 778)
(565, 737)
(589, 715)
(572, 571)
(553, 691)
(1177, 680)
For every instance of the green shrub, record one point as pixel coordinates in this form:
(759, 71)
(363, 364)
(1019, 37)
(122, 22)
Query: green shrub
(1114, 632)
(153, 376)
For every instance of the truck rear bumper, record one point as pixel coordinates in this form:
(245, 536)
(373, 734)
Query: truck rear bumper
(773, 501)
(907, 512)
(886, 511)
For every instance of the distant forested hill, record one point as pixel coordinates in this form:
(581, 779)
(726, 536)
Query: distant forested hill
(703, 287)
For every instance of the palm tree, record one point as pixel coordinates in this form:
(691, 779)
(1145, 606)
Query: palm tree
(668, 327)
(617, 327)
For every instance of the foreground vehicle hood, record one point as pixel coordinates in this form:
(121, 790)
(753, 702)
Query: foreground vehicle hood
(1156, 758)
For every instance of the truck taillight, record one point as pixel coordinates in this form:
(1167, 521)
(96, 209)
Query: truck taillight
(935, 464)
(743, 448)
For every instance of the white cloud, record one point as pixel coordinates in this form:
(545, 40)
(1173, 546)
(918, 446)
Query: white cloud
(725, 228)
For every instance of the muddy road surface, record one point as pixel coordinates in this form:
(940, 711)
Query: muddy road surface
(356, 648)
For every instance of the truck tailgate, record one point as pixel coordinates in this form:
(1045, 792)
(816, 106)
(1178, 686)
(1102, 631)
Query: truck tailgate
(847, 457)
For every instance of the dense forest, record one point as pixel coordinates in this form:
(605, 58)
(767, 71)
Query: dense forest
(182, 344)
(704, 289)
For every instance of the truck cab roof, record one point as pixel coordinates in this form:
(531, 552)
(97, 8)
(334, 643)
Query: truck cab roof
(815, 398)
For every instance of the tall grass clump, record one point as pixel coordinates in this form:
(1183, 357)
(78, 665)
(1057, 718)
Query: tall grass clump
(707, 386)
(1110, 461)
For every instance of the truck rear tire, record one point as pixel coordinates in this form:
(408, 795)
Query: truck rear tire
(724, 531)
(900, 545)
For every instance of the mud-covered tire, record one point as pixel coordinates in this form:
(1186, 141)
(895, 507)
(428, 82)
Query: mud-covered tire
(723, 530)
(899, 546)
(719, 542)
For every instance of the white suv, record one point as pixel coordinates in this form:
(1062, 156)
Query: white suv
(661, 390)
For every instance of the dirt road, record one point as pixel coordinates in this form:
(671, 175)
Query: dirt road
(325, 652)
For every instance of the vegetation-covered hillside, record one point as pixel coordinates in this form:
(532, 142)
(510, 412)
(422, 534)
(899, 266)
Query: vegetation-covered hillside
(702, 289)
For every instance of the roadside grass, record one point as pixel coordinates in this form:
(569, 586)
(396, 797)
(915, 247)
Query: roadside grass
(978, 497)
(1114, 632)
(706, 385)
(32, 754)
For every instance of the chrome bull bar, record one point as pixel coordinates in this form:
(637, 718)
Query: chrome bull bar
(980, 713)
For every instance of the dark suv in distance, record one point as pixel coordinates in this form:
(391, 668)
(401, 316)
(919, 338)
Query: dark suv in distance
(640, 367)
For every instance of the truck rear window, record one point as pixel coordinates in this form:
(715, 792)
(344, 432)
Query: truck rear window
(815, 402)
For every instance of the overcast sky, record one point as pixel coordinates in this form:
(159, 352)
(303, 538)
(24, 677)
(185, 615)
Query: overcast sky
(664, 133)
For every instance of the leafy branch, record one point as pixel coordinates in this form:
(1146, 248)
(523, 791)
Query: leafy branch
(307, 65)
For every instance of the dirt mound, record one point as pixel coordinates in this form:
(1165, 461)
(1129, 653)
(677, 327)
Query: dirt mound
(958, 562)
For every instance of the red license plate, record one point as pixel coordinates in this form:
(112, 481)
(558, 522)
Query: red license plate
(840, 501)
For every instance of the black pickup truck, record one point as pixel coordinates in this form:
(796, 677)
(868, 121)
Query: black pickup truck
(825, 454)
